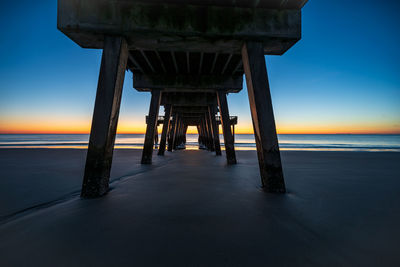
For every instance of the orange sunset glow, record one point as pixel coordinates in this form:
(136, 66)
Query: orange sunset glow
(65, 126)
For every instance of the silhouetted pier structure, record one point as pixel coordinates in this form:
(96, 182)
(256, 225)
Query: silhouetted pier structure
(208, 129)
(189, 55)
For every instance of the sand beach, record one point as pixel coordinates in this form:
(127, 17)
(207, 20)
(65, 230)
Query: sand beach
(190, 209)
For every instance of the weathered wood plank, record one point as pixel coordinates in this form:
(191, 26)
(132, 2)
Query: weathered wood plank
(263, 118)
(151, 127)
(105, 117)
(226, 127)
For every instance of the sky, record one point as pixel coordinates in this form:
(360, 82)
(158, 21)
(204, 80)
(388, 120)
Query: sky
(343, 76)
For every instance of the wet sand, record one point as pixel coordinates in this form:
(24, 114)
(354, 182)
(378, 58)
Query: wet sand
(35, 177)
(190, 209)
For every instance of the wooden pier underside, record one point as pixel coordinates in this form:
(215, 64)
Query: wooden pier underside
(189, 55)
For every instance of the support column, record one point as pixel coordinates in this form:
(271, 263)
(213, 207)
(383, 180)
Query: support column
(156, 135)
(207, 132)
(184, 134)
(171, 133)
(177, 134)
(105, 117)
(210, 132)
(233, 132)
(163, 141)
(262, 114)
(151, 125)
(198, 132)
(180, 133)
(211, 110)
(204, 133)
(226, 127)
(174, 132)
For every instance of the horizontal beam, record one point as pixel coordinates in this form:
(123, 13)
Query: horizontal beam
(160, 120)
(195, 117)
(190, 109)
(188, 99)
(168, 82)
(177, 26)
(232, 119)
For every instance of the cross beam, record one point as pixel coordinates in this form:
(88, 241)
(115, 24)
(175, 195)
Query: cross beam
(167, 82)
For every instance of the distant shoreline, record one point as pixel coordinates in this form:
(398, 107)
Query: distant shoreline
(246, 142)
(195, 133)
(223, 149)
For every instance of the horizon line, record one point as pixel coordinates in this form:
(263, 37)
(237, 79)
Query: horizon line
(373, 133)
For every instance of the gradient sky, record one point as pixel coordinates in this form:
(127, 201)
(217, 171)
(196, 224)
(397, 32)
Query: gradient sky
(342, 77)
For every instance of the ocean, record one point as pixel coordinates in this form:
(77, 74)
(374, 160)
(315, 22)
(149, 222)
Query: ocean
(311, 142)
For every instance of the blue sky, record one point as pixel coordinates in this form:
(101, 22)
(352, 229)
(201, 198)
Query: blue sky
(343, 76)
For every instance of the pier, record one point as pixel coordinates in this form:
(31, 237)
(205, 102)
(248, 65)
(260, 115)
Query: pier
(188, 57)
